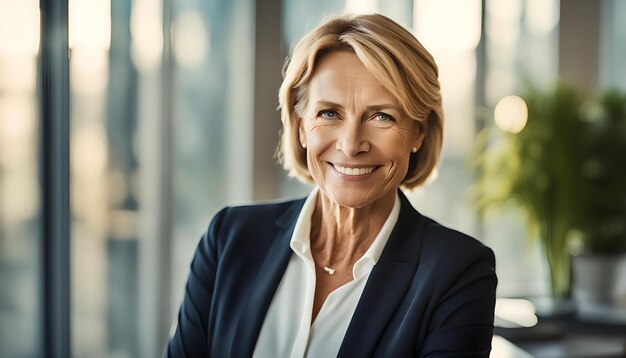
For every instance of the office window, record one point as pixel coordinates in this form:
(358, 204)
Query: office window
(212, 121)
(152, 112)
(612, 49)
(521, 49)
(104, 243)
(20, 316)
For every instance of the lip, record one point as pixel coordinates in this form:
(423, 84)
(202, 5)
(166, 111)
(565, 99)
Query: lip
(338, 164)
(352, 177)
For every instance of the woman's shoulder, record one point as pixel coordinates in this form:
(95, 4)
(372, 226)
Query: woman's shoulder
(245, 227)
(440, 241)
(256, 214)
(452, 258)
(261, 210)
(437, 240)
(444, 235)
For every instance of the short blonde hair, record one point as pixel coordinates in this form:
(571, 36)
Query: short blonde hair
(394, 57)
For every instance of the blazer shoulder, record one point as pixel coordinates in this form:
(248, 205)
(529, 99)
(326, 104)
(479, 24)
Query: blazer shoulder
(444, 234)
(252, 220)
(268, 212)
(454, 260)
(443, 242)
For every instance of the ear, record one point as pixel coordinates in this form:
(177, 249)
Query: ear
(422, 129)
(301, 132)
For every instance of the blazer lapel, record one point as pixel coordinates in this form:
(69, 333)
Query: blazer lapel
(268, 278)
(386, 285)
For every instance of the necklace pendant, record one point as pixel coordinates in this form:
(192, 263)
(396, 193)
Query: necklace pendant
(330, 270)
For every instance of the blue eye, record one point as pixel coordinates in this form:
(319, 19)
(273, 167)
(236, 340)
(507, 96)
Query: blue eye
(383, 117)
(327, 114)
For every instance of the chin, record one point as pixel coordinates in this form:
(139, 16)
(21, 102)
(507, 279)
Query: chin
(353, 197)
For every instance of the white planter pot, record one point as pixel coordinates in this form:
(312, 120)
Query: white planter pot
(599, 287)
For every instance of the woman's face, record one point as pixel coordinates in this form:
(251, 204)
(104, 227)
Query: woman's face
(357, 137)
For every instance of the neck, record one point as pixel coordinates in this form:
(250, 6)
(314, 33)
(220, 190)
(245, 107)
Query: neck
(341, 235)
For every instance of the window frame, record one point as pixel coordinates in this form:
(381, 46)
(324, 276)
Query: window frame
(54, 175)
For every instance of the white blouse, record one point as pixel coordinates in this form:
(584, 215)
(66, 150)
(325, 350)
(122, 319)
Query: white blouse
(287, 329)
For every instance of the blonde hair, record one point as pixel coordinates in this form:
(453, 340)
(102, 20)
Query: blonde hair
(394, 57)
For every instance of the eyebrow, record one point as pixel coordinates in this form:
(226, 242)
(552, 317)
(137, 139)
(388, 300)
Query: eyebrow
(376, 107)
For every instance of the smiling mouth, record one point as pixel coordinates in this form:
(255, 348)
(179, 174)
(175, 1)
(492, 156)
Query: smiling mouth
(354, 171)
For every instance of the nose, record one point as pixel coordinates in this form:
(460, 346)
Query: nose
(351, 138)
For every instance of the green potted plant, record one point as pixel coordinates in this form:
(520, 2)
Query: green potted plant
(599, 261)
(604, 173)
(566, 168)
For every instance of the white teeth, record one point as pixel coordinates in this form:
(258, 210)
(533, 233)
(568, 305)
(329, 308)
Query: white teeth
(354, 171)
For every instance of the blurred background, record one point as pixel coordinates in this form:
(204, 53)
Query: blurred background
(172, 114)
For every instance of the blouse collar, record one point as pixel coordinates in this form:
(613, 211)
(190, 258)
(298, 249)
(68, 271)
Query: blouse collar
(301, 240)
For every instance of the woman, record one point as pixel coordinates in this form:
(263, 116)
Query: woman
(352, 270)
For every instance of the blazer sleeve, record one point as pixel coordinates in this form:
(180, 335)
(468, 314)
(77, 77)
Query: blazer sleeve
(462, 323)
(190, 338)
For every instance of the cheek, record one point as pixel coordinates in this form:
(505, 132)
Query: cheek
(317, 142)
(396, 146)
(318, 139)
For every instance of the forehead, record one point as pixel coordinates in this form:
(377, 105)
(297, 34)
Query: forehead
(341, 74)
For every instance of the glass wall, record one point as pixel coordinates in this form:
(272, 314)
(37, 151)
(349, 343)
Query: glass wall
(451, 30)
(20, 316)
(152, 111)
(612, 49)
(90, 67)
(212, 117)
(521, 50)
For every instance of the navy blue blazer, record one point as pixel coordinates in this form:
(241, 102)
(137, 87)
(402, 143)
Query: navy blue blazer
(431, 294)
